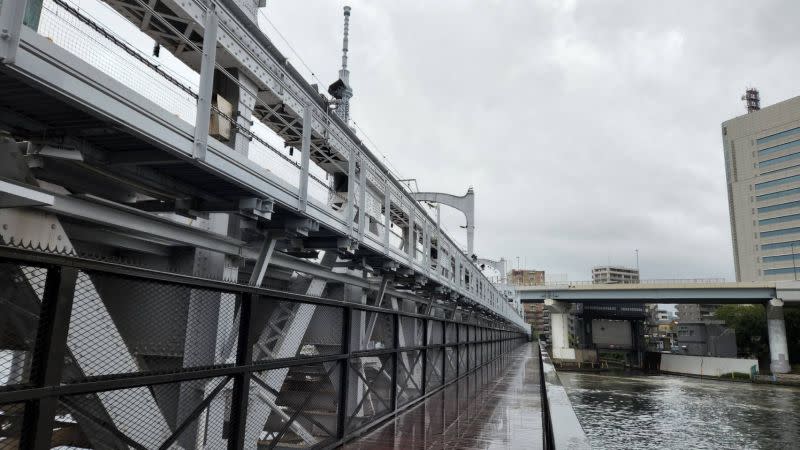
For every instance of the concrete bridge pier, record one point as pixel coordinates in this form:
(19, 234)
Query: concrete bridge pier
(559, 329)
(776, 330)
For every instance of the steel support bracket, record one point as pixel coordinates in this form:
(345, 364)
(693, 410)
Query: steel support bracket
(305, 155)
(207, 65)
(12, 14)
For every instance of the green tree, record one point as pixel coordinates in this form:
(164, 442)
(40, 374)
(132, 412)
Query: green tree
(750, 324)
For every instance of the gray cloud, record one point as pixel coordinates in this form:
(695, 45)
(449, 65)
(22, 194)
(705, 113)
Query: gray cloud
(588, 129)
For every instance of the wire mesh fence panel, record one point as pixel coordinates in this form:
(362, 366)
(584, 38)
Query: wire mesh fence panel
(11, 415)
(411, 332)
(377, 331)
(471, 333)
(433, 368)
(299, 412)
(282, 164)
(20, 300)
(451, 364)
(463, 333)
(289, 329)
(67, 28)
(409, 372)
(434, 332)
(372, 376)
(122, 325)
(463, 357)
(451, 330)
(473, 357)
(185, 415)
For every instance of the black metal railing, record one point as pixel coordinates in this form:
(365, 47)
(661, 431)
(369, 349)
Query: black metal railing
(100, 355)
(548, 443)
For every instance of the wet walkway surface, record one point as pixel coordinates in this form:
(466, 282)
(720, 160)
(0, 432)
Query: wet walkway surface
(496, 407)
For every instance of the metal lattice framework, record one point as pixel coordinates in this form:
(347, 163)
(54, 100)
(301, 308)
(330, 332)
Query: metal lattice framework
(68, 388)
(172, 278)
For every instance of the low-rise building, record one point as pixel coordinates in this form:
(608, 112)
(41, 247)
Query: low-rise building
(706, 338)
(614, 275)
(526, 277)
(539, 317)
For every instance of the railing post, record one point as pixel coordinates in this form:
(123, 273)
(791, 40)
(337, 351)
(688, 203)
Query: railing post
(12, 13)
(395, 358)
(48, 356)
(362, 199)
(444, 351)
(425, 356)
(351, 194)
(387, 218)
(241, 382)
(412, 240)
(344, 379)
(207, 64)
(305, 155)
(458, 349)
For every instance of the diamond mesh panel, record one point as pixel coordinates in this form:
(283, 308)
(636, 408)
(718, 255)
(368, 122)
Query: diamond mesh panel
(378, 330)
(451, 364)
(473, 357)
(297, 329)
(20, 300)
(434, 332)
(450, 333)
(373, 396)
(462, 360)
(409, 383)
(433, 368)
(293, 407)
(411, 331)
(11, 425)
(463, 331)
(184, 413)
(471, 333)
(121, 325)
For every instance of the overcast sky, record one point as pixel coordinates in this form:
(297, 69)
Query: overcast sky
(588, 129)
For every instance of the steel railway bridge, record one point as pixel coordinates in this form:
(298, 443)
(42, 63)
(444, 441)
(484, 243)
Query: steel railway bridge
(209, 259)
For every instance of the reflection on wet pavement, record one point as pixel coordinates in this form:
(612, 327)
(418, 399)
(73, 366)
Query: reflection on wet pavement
(496, 407)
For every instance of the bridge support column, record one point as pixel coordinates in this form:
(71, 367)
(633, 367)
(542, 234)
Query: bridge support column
(559, 329)
(776, 330)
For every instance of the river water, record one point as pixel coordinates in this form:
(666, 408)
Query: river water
(671, 412)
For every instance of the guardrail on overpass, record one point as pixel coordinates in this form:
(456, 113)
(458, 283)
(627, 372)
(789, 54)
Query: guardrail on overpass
(724, 292)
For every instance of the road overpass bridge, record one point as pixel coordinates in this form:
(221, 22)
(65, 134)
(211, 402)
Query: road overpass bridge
(664, 292)
(772, 294)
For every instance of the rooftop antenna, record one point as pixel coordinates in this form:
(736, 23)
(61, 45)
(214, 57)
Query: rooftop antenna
(752, 100)
(341, 90)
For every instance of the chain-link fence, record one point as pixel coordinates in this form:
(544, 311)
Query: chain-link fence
(99, 355)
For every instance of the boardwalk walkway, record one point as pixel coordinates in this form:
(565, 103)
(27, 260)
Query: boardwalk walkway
(497, 407)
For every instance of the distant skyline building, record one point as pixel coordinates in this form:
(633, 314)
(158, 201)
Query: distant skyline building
(525, 277)
(614, 275)
(762, 168)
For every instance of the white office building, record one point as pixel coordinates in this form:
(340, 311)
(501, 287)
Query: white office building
(762, 166)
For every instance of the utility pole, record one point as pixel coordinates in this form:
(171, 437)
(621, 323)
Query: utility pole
(637, 265)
